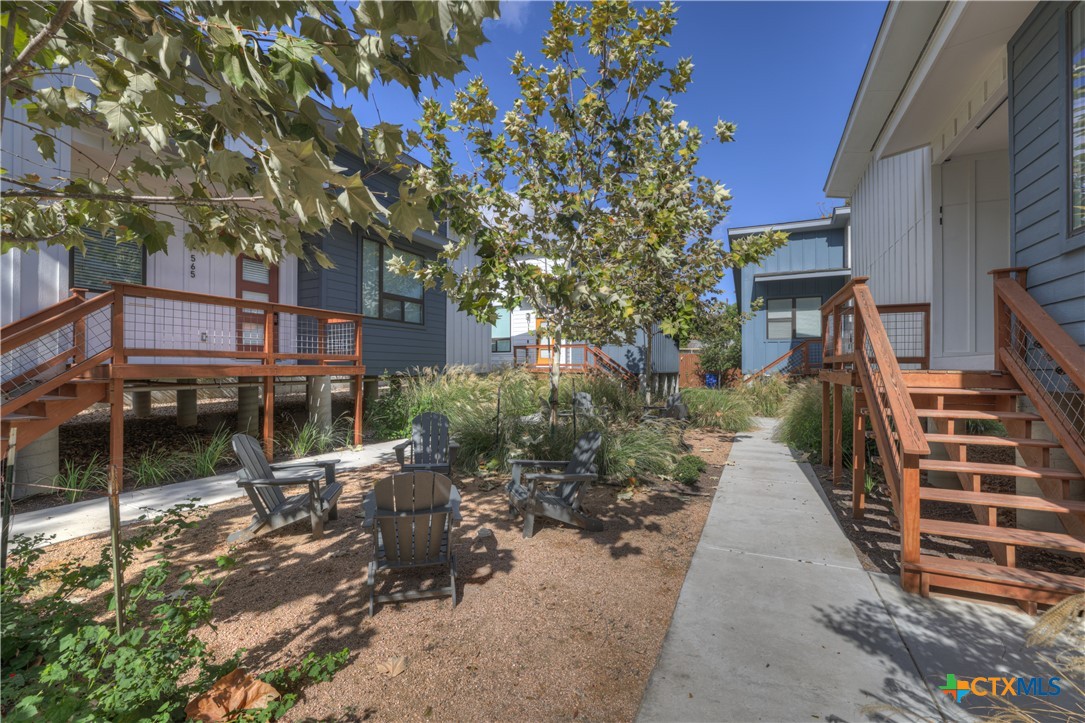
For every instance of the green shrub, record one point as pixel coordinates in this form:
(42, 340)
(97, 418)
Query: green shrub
(205, 457)
(521, 430)
(77, 480)
(766, 395)
(800, 421)
(313, 438)
(60, 661)
(689, 468)
(154, 466)
(648, 449)
(726, 409)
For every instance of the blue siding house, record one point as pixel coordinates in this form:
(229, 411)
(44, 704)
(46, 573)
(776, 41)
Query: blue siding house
(792, 284)
(405, 325)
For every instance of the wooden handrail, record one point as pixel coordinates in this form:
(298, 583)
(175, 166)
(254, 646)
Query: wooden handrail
(911, 435)
(151, 292)
(77, 297)
(845, 292)
(772, 364)
(65, 317)
(1055, 340)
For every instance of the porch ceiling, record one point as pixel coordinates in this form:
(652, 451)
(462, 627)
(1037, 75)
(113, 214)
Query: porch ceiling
(964, 47)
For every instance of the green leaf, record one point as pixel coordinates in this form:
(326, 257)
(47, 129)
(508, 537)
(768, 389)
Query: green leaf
(46, 145)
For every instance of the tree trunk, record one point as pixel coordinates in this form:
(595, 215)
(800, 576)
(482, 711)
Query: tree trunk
(647, 373)
(555, 378)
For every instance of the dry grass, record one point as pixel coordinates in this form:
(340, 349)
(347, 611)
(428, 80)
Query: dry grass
(564, 625)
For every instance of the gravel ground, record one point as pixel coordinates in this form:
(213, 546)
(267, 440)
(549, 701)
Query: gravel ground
(565, 625)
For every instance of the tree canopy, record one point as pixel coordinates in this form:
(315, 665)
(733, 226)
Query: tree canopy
(221, 115)
(583, 198)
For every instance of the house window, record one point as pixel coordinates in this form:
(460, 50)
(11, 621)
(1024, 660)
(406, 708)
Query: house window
(1077, 117)
(501, 333)
(103, 260)
(798, 318)
(386, 294)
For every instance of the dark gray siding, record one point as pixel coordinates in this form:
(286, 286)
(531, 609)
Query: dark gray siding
(1039, 167)
(387, 346)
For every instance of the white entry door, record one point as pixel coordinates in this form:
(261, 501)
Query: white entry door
(975, 239)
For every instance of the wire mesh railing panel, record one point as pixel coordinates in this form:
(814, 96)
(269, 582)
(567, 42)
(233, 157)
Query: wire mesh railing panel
(50, 354)
(907, 332)
(165, 327)
(1052, 381)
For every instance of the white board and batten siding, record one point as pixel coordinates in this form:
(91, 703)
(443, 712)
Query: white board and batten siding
(31, 280)
(892, 221)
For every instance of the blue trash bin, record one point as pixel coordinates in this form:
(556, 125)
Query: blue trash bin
(711, 381)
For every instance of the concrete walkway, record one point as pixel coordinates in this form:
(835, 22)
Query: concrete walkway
(778, 621)
(67, 522)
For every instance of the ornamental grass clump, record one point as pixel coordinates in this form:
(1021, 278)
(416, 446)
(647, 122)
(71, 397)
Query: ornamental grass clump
(766, 395)
(503, 415)
(727, 409)
(800, 421)
(78, 479)
(154, 467)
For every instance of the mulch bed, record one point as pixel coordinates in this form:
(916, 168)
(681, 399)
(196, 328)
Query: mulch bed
(876, 538)
(567, 624)
(88, 434)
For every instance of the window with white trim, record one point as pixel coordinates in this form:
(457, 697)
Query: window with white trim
(501, 333)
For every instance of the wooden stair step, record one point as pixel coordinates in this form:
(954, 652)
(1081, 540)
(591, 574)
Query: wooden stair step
(1008, 470)
(54, 398)
(953, 392)
(1004, 535)
(19, 417)
(991, 441)
(976, 414)
(995, 499)
(989, 572)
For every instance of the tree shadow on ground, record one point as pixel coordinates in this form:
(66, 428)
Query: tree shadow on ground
(945, 636)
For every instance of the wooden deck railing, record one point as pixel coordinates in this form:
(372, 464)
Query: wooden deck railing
(800, 361)
(142, 332)
(575, 358)
(855, 337)
(1042, 358)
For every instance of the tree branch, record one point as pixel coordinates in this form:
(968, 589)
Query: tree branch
(37, 42)
(47, 194)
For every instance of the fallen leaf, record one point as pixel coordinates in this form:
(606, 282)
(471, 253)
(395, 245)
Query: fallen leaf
(229, 694)
(393, 666)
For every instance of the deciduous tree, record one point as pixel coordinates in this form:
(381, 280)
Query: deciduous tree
(221, 114)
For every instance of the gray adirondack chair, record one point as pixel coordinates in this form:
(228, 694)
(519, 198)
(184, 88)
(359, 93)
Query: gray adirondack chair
(411, 515)
(563, 504)
(431, 449)
(264, 482)
(673, 408)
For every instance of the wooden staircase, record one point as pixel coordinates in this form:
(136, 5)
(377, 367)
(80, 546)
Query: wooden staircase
(910, 413)
(42, 390)
(991, 396)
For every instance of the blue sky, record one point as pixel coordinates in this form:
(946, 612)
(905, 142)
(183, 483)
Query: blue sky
(785, 72)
